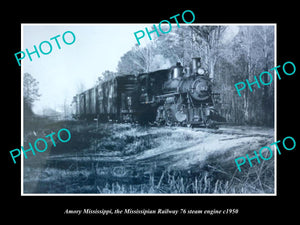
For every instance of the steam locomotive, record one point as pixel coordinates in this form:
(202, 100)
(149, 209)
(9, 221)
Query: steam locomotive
(175, 96)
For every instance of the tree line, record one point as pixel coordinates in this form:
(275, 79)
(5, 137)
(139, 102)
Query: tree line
(230, 53)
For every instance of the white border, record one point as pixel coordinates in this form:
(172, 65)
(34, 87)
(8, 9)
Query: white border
(196, 24)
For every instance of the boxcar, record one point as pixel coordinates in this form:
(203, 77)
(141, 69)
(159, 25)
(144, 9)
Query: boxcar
(127, 99)
(117, 99)
(81, 103)
(113, 100)
(91, 103)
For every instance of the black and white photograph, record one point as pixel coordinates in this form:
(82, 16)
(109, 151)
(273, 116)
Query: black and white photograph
(143, 111)
(136, 109)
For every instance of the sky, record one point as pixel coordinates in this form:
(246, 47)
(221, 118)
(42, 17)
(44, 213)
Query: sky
(97, 47)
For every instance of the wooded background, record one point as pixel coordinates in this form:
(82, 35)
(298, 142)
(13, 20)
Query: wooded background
(231, 54)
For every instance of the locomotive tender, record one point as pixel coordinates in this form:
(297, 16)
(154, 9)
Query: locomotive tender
(174, 96)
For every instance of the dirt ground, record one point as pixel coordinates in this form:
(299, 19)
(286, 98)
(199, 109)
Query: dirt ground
(132, 159)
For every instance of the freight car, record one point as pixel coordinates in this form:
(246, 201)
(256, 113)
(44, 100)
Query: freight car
(117, 99)
(174, 96)
(112, 100)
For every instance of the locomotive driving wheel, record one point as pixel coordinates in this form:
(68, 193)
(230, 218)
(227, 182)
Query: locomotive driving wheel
(165, 116)
(181, 114)
(169, 117)
(209, 123)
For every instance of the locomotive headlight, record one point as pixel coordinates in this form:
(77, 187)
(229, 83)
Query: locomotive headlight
(201, 71)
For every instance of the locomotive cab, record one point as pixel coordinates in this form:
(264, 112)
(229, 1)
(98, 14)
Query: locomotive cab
(174, 78)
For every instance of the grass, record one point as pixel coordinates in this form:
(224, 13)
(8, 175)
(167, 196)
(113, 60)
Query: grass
(213, 181)
(103, 160)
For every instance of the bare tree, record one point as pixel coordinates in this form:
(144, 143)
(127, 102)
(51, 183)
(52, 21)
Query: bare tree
(105, 76)
(210, 37)
(137, 60)
(30, 92)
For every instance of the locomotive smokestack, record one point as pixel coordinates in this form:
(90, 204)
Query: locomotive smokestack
(196, 64)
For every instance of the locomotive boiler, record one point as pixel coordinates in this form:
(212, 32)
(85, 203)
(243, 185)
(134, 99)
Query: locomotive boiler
(184, 96)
